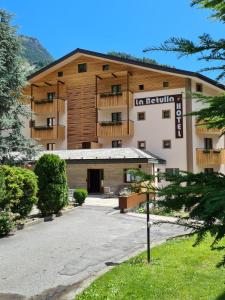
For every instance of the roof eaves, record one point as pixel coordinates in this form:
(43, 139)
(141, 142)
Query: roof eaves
(129, 61)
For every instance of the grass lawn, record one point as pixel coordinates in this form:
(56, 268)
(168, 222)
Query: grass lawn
(178, 272)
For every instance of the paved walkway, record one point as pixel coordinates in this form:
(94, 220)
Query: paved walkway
(49, 260)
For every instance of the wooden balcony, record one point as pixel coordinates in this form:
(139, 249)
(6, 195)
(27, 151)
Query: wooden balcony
(205, 157)
(201, 129)
(56, 132)
(115, 129)
(46, 106)
(111, 100)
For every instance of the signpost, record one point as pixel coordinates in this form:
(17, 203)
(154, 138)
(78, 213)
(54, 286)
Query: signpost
(148, 230)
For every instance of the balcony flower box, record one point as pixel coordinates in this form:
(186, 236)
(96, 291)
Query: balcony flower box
(111, 123)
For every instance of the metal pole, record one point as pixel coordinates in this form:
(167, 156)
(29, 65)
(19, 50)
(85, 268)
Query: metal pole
(148, 230)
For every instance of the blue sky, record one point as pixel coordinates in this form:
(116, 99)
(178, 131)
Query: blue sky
(121, 25)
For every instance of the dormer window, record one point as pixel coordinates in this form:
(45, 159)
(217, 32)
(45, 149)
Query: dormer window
(82, 68)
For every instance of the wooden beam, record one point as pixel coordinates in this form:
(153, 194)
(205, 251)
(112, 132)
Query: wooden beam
(61, 82)
(114, 75)
(47, 83)
(32, 84)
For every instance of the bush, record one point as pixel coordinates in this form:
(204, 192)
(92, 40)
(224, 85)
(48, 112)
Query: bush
(2, 188)
(6, 222)
(52, 183)
(80, 195)
(20, 190)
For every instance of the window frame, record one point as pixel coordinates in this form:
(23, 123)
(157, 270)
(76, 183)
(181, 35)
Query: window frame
(118, 91)
(138, 114)
(141, 87)
(197, 86)
(138, 145)
(105, 67)
(79, 68)
(118, 143)
(117, 119)
(208, 143)
(166, 84)
(60, 74)
(52, 146)
(164, 142)
(125, 174)
(166, 110)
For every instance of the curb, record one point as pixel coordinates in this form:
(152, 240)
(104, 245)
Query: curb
(87, 282)
(40, 220)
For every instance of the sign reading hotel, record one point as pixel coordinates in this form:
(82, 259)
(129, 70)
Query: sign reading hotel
(177, 99)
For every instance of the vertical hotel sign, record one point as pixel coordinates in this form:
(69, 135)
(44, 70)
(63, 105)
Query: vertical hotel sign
(176, 99)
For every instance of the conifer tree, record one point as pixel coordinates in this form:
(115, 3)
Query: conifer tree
(203, 195)
(14, 146)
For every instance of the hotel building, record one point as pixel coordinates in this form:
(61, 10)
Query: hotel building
(96, 102)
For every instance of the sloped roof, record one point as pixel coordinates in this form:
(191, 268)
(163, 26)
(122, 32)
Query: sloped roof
(130, 62)
(105, 155)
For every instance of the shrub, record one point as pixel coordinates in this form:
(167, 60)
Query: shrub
(2, 188)
(21, 190)
(80, 195)
(52, 183)
(6, 222)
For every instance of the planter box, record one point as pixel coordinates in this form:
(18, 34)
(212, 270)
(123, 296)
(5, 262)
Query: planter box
(126, 202)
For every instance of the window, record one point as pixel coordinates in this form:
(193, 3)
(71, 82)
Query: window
(116, 89)
(50, 146)
(82, 68)
(117, 144)
(165, 84)
(208, 143)
(127, 176)
(105, 67)
(50, 122)
(116, 117)
(141, 116)
(60, 74)
(171, 172)
(208, 170)
(50, 96)
(199, 87)
(141, 145)
(158, 175)
(166, 144)
(166, 114)
(141, 87)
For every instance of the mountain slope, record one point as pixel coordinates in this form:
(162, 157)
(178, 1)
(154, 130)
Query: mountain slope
(34, 52)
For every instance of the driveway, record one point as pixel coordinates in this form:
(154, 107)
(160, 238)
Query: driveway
(48, 260)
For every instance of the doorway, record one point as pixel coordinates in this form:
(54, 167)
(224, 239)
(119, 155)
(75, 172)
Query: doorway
(95, 176)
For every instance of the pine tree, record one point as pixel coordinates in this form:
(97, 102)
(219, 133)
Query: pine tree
(14, 147)
(202, 195)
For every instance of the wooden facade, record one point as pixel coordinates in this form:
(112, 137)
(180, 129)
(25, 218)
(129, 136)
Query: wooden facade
(119, 129)
(56, 132)
(212, 157)
(201, 129)
(85, 93)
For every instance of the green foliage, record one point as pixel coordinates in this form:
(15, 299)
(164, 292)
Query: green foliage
(216, 5)
(34, 52)
(202, 195)
(80, 195)
(177, 272)
(6, 222)
(131, 57)
(14, 146)
(2, 187)
(21, 190)
(142, 182)
(52, 183)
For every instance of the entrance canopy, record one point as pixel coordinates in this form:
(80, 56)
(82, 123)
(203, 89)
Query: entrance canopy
(106, 155)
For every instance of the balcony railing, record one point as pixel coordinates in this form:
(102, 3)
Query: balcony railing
(201, 129)
(115, 129)
(110, 100)
(207, 157)
(42, 106)
(56, 132)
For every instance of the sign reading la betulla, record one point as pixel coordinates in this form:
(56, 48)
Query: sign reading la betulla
(177, 99)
